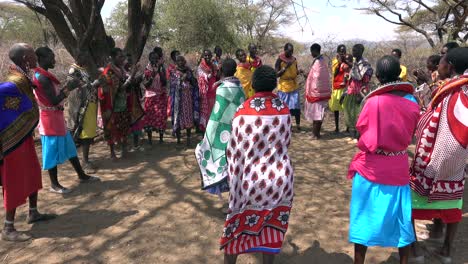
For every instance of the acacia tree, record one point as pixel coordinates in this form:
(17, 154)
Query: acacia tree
(80, 27)
(436, 20)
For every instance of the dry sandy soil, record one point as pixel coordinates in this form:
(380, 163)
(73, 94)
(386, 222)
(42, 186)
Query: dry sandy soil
(150, 209)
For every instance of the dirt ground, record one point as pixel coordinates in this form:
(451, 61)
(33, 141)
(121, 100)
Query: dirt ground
(150, 209)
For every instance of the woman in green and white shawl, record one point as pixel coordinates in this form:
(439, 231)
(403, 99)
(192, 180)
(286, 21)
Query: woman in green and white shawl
(210, 152)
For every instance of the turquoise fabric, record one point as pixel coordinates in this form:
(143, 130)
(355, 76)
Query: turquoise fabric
(380, 214)
(56, 150)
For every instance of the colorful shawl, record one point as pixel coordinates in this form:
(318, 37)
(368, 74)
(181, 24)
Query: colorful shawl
(177, 84)
(438, 167)
(361, 74)
(259, 169)
(115, 80)
(210, 152)
(206, 81)
(18, 116)
(318, 81)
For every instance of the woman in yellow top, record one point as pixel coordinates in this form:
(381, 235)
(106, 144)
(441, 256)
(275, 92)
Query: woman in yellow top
(339, 71)
(244, 73)
(288, 92)
(254, 60)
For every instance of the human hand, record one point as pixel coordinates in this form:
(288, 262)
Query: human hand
(72, 83)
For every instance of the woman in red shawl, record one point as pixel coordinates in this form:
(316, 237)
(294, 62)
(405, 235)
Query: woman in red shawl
(438, 169)
(206, 80)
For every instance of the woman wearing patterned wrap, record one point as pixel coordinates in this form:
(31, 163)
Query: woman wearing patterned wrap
(380, 210)
(260, 173)
(206, 79)
(155, 83)
(438, 168)
(288, 88)
(211, 152)
(118, 112)
(82, 110)
(185, 110)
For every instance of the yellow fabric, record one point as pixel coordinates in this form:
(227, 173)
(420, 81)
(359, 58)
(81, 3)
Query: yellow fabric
(89, 122)
(334, 102)
(250, 60)
(245, 77)
(287, 82)
(334, 65)
(403, 74)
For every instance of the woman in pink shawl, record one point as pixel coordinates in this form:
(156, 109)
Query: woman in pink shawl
(380, 210)
(317, 90)
(206, 80)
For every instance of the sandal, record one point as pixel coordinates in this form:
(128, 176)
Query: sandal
(62, 190)
(89, 168)
(41, 218)
(15, 236)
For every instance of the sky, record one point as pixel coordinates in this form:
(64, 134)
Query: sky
(326, 22)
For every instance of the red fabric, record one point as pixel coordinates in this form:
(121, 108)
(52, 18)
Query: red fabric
(244, 65)
(283, 57)
(20, 174)
(52, 122)
(268, 238)
(268, 104)
(459, 130)
(106, 100)
(312, 99)
(47, 74)
(155, 109)
(402, 87)
(437, 169)
(339, 79)
(255, 63)
(447, 216)
(206, 81)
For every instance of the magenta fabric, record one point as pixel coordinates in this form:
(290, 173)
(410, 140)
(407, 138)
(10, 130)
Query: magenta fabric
(387, 123)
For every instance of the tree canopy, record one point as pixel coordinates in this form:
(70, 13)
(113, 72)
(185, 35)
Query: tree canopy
(196, 24)
(437, 20)
(17, 18)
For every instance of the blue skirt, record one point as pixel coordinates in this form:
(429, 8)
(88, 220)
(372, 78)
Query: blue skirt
(56, 150)
(380, 215)
(290, 99)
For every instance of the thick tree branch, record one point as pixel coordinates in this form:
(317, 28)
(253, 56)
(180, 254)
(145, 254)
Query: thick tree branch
(76, 26)
(33, 7)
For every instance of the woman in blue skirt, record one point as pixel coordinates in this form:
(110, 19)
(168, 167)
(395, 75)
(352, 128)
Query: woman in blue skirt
(380, 211)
